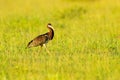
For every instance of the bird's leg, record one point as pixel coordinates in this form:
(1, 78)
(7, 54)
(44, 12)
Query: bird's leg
(46, 49)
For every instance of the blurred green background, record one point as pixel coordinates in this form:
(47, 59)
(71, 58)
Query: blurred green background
(86, 45)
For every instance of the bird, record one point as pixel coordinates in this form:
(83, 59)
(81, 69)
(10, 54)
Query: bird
(43, 39)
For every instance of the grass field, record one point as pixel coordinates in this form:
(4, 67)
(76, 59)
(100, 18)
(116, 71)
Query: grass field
(86, 45)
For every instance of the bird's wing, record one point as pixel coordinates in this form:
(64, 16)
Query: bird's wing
(39, 40)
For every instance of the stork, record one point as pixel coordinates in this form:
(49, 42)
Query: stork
(42, 39)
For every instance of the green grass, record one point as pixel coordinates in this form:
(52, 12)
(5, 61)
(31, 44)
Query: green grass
(86, 45)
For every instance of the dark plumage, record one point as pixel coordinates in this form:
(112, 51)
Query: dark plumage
(42, 39)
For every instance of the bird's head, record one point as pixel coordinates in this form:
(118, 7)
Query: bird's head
(50, 26)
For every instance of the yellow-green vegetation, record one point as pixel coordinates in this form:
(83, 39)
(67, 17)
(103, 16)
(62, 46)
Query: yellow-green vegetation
(86, 45)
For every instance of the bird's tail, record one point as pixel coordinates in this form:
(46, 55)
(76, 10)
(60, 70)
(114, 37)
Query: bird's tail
(29, 45)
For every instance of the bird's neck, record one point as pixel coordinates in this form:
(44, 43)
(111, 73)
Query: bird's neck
(51, 33)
